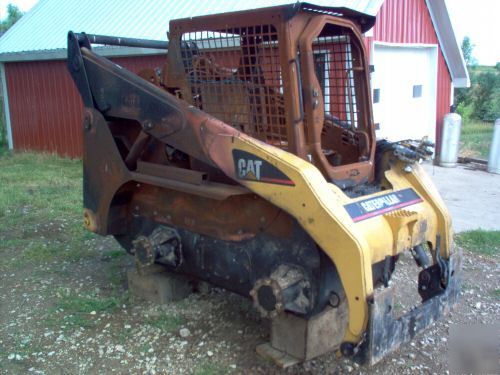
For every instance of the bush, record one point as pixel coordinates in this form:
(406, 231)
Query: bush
(486, 105)
(492, 106)
(465, 110)
(482, 100)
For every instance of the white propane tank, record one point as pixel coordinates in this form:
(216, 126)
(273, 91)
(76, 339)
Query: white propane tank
(450, 140)
(494, 159)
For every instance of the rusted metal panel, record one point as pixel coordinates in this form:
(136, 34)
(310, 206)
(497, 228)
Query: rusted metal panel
(45, 107)
(180, 174)
(409, 21)
(386, 333)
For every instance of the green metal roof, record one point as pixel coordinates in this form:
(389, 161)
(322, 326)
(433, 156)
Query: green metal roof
(41, 33)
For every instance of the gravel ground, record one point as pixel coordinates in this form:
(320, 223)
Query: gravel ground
(66, 317)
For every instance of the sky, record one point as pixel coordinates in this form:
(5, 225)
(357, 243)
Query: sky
(477, 19)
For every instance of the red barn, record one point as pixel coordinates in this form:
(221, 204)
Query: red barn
(417, 62)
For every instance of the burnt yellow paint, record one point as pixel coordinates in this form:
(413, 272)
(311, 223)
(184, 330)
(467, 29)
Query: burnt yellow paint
(353, 247)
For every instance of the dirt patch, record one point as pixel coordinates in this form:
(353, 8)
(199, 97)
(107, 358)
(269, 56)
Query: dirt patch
(65, 308)
(76, 317)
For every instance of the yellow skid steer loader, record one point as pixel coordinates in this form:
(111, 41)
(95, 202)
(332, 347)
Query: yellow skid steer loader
(249, 161)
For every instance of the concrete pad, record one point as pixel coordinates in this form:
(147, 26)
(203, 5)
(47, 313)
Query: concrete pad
(472, 196)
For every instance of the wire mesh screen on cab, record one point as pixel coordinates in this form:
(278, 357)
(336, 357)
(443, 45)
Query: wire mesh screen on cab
(334, 65)
(235, 75)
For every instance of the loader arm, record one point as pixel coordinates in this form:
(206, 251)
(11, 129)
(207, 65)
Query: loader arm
(307, 196)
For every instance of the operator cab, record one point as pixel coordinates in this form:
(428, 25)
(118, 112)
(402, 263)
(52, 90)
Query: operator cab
(292, 76)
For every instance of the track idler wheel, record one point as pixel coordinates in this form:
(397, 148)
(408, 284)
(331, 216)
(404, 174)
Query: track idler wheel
(287, 288)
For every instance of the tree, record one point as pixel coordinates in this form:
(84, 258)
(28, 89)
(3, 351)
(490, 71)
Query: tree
(13, 15)
(486, 96)
(482, 100)
(467, 48)
(492, 111)
(463, 96)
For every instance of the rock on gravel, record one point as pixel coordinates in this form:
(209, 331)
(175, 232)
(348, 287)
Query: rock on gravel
(184, 332)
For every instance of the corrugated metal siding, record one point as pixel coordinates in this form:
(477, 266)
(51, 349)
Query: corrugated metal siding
(443, 99)
(404, 21)
(45, 107)
(147, 19)
(409, 21)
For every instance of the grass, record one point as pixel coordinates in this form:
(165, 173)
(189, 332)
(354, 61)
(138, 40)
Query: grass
(165, 322)
(496, 293)
(75, 311)
(480, 241)
(124, 335)
(475, 139)
(41, 224)
(398, 306)
(41, 208)
(144, 348)
(210, 368)
(36, 186)
(115, 254)
(87, 304)
(42, 252)
(115, 274)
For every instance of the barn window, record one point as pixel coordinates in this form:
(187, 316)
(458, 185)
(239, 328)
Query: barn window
(417, 91)
(376, 96)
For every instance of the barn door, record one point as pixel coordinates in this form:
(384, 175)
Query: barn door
(404, 92)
